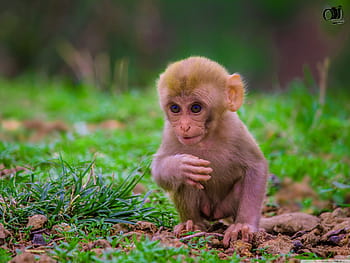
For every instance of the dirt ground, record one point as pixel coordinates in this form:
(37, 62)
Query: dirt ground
(287, 236)
(327, 236)
(284, 232)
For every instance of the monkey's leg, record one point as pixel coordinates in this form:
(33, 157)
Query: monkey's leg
(187, 204)
(249, 193)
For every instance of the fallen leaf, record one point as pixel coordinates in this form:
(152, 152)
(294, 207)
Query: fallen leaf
(11, 125)
(36, 221)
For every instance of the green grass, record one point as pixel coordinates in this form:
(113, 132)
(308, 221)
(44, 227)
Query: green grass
(72, 195)
(143, 251)
(77, 176)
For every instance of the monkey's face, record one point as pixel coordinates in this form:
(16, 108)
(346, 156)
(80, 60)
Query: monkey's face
(188, 117)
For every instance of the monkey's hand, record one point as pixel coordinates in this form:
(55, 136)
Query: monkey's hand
(194, 170)
(185, 227)
(234, 231)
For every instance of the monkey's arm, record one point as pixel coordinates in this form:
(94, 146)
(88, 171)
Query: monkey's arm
(251, 190)
(173, 170)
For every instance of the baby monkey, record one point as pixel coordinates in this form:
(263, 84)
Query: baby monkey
(208, 160)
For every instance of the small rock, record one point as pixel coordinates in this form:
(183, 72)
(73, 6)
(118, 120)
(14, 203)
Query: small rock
(39, 240)
(46, 259)
(101, 243)
(146, 226)
(280, 245)
(23, 258)
(36, 221)
(335, 240)
(297, 245)
(242, 248)
(289, 223)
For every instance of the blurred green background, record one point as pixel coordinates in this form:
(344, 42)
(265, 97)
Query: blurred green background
(116, 44)
(77, 91)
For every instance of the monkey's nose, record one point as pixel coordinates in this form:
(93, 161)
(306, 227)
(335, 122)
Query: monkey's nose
(185, 128)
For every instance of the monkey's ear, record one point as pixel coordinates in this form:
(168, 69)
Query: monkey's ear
(235, 92)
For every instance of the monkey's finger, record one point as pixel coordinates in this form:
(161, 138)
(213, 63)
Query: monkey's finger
(231, 234)
(194, 184)
(196, 161)
(246, 233)
(234, 233)
(226, 240)
(198, 169)
(189, 225)
(197, 177)
(178, 229)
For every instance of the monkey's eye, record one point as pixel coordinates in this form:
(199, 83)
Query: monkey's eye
(196, 108)
(175, 108)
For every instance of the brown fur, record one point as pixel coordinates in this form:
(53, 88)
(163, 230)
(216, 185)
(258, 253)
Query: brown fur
(208, 161)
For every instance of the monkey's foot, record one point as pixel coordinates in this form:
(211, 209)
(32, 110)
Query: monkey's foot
(238, 231)
(185, 227)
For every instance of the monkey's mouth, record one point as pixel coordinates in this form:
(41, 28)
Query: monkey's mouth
(190, 140)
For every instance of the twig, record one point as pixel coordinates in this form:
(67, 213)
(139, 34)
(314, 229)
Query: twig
(91, 174)
(323, 69)
(35, 251)
(200, 234)
(56, 239)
